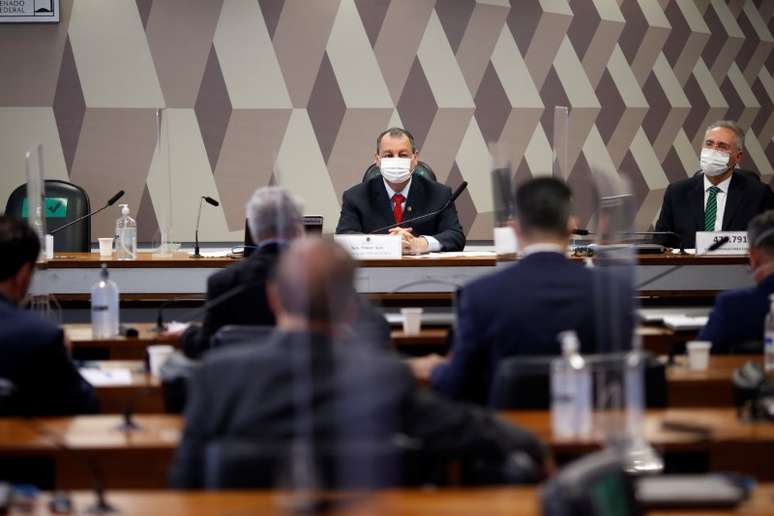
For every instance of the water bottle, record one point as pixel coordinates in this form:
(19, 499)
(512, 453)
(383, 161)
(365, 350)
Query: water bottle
(104, 306)
(570, 390)
(126, 235)
(768, 339)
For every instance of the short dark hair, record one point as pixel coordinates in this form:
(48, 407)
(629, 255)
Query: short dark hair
(396, 132)
(544, 204)
(760, 231)
(19, 244)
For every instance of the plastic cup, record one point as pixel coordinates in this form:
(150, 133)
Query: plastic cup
(698, 354)
(412, 320)
(105, 247)
(157, 355)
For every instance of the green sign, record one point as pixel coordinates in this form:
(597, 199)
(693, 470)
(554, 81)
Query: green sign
(56, 207)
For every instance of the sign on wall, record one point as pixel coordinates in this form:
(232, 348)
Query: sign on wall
(26, 11)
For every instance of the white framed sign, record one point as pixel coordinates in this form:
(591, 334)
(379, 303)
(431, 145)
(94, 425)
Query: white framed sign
(737, 242)
(371, 247)
(29, 11)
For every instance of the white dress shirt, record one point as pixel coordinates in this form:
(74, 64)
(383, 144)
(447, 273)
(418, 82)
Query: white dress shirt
(433, 245)
(542, 247)
(721, 197)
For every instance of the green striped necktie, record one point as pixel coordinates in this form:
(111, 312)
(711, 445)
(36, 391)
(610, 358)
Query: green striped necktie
(711, 211)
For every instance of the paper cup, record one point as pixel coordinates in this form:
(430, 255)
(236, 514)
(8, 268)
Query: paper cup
(698, 354)
(106, 247)
(412, 320)
(157, 355)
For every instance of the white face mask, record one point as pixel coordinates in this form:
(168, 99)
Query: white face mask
(713, 162)
(395, 170)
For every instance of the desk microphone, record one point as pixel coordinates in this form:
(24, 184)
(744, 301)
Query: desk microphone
(211, 202)
(714, 247)
(453, 198)
(108, 204)
(586, 232)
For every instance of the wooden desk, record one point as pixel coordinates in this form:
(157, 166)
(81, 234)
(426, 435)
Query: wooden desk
(144, 395)
(709, 388)
(118, 347)
(70, 276)
(140, 459)
(518, 500)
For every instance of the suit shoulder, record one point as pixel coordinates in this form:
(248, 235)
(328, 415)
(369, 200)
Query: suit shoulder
(683, 184)
(37, 331)
(360, 189)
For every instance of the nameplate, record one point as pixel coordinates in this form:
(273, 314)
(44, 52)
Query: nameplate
(371, 247)
(737, 242)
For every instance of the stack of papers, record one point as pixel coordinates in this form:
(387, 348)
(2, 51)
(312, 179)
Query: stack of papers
(685, 322)
(105, 377)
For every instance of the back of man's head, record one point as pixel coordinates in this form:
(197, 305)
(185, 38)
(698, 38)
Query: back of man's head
(543, 206)
(315, 281)
(760, 233)
(19, 245)
(273, 213)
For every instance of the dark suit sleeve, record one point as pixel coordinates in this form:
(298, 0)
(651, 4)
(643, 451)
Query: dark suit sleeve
(187, 470)
(458, 377)
(666, 220)
(450, 234)
(450, 429)
(196, 339)
(349, 219)
(65, 391)
(719, 329)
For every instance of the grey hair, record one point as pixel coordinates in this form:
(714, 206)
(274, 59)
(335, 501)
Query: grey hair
(728, 124)
(760, 231)
(273, 212)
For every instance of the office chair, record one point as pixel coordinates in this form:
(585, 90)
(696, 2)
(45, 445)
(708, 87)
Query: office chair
(422, 169)
(65, 202)
(523, 383)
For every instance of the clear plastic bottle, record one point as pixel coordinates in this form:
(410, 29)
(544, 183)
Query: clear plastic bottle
(768, 339)
(570, 390)
(126, 235)
(104, 306)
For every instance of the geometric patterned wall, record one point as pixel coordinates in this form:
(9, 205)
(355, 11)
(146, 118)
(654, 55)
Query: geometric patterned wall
(295, 91)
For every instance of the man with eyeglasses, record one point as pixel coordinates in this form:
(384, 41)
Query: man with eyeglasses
(720, 198)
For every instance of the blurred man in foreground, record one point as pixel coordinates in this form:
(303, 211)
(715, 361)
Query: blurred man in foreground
(33, 356)
(307, 385)
(521, 309)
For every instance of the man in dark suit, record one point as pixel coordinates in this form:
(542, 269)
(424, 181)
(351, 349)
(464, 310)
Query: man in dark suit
(308, 389)
(720, 198)
(33, 356)
(275, 218)
(738, 315)
(399, 195)
(521, 309)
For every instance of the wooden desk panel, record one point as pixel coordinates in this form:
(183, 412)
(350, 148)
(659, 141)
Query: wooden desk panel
(505, 501)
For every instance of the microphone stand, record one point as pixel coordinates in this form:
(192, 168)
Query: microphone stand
(714, 247)
(107, 205)
(451, 199)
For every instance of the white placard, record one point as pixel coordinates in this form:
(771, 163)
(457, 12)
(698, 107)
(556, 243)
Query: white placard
(737, 242)
(505, 240)
(371, 247)
(29, 11)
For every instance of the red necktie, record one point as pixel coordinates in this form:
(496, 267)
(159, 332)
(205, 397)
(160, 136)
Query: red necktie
(397, 207)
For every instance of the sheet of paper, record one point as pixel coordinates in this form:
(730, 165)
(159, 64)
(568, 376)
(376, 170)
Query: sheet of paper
(105, 377)
(685, 322)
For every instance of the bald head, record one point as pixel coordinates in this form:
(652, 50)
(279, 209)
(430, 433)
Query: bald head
(314, 282)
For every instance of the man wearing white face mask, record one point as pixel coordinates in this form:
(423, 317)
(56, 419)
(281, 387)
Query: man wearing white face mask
(721, 198)
(398, 195)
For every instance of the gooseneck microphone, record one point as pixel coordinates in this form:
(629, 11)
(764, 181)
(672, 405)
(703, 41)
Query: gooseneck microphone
(108, 204)
(211, 202)
(714, 247)
(451, 199)
(586, 232)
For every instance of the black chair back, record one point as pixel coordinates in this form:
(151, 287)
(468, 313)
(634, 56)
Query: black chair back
(524, 383)
(422, 169)
(65, 202)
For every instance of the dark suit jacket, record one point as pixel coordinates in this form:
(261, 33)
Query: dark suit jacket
(34, 358)
(366, 207)
(521, 309)
(355, 394)
(683, 208)
(738, 316)
(248, 307)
